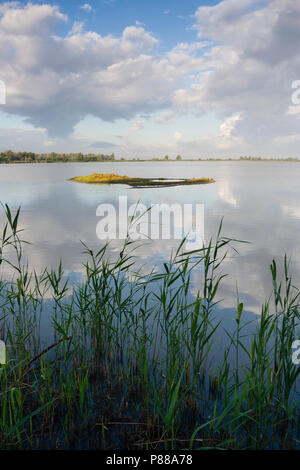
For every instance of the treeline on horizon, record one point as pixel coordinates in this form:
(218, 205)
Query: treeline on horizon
(8, 156)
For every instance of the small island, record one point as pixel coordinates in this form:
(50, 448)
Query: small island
(112, 178)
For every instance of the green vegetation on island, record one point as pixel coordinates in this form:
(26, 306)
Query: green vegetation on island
(112, 178)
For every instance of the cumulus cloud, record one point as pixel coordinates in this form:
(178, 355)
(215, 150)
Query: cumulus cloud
(241, 68)
(56, 81)
(251, 66)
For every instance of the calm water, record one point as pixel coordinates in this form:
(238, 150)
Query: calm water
(260, 203)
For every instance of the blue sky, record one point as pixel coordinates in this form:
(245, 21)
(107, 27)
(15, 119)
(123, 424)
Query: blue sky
(145, 79)
(170, 20)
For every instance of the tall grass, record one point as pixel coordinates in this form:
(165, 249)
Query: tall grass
(125, 363)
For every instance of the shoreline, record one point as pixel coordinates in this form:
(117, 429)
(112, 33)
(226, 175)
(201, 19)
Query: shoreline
(209, 160)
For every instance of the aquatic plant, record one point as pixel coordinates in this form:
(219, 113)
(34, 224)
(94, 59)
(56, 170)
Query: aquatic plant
(124, 364)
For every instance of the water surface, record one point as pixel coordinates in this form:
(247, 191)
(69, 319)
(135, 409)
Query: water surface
(260, 203)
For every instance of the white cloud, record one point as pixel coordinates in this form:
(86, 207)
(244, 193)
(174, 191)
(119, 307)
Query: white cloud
(77, 28)
(228, 126)
(137, 125)
(56, 81)
(252, 65)
(86, 7)
(32, 20)
(243, 64)
(177, 137)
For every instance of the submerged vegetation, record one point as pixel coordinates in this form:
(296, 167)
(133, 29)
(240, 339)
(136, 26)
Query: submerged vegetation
(114, 363)
(112, 178)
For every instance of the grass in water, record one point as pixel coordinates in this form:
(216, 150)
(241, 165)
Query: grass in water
(124, 364)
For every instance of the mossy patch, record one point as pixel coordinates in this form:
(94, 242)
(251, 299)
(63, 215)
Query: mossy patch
(112, 178)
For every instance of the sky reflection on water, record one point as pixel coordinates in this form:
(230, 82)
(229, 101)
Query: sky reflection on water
(260, 203)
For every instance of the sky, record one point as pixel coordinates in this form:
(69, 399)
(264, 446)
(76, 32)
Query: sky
(144, 79)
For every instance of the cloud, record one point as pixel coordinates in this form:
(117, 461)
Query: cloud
(137, 125)
(242, 63)
(165, 117)
(177, 137)
(77, 28)
(86, 7)
(32, 20)
(56, 81)
(103, 145)
(28, 140)
(250, 67)
(49, 143)
(37, 140)
(228, 126)
(227, 135)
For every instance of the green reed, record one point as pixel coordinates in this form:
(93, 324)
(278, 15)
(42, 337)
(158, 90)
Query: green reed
(125, 362)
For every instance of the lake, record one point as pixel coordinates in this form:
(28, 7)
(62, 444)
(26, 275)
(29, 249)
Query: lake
(260, 203)
(107, 358)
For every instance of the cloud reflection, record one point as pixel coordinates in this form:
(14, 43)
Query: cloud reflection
(258, 202)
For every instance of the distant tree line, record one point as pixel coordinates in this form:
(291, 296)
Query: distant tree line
(253, 159)
(8, 156)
